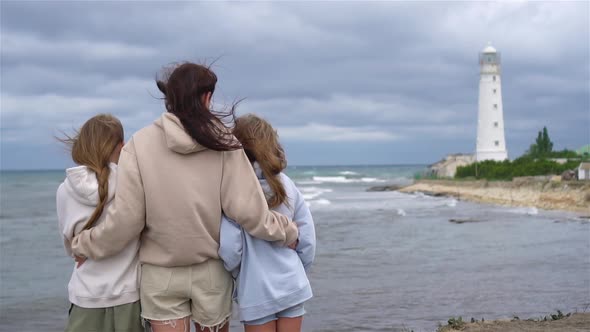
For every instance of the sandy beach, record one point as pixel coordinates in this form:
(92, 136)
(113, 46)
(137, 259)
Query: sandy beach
(568, 195)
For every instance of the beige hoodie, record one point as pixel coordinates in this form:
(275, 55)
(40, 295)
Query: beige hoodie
(172, 191)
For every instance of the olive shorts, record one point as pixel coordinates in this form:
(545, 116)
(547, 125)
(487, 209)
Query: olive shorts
(202, 291)
(121, 318)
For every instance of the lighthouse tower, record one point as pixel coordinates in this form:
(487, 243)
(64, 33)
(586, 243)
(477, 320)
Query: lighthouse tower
(491, 144)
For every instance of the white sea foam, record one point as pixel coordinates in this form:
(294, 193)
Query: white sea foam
(371, 180)
(307, 182)
(531, 211)
(315, 189)
(418, 194)
(322, 201)
(401, 212)
(343, 179)
(310, 193)
(348, 173)
(452, 203)
(332, 179)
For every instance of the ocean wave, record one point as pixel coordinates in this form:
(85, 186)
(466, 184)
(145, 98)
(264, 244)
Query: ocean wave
(314, 189)
(306, 182)
(531, 211)
(348, 173)
(321, 201)
(343, 179)
(452, 203)
(401, 212)
(310, 193)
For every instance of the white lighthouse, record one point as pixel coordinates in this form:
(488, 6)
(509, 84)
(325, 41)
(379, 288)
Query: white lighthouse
(491, 144)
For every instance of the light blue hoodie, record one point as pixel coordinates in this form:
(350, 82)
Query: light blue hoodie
(271, 278)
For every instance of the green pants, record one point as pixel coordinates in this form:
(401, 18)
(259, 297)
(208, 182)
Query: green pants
(122, 318)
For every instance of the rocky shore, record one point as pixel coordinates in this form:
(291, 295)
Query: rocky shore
(543, 194)
(575, 323)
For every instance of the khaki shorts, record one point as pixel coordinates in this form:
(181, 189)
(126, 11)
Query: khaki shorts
(202, 291)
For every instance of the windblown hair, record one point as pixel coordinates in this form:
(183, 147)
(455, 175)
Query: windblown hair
(92, 146)
(261, 144)
(183, 89)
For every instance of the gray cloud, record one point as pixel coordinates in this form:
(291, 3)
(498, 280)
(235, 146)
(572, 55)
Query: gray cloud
(396, 74)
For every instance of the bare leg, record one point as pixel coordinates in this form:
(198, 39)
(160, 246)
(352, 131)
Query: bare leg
(268, 327)
(286, 324)
(174, 325)
(225, 328)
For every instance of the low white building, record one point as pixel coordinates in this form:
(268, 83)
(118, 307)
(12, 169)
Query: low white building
(447, 168)
(584, 171)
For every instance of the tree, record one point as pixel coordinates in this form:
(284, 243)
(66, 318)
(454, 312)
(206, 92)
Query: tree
(547, 144)
(542, 146)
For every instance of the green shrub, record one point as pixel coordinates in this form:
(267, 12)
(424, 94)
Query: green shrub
(453, 323)
(507, 170)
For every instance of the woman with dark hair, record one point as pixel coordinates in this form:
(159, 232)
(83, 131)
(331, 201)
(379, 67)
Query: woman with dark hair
(175, 179)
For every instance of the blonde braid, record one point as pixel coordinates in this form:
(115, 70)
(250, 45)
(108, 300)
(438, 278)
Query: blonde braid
(103, 192)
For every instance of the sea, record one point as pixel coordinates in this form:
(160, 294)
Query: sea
(386, 261)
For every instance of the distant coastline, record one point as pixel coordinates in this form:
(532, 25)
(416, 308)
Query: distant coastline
(543, 194)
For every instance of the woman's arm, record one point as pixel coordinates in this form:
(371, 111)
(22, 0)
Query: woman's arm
(242, 200)
(125, 219)
(230, 244)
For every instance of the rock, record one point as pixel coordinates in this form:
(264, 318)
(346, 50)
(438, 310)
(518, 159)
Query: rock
(392, 187)
(462, 221)
(435, 194)
(569, 175)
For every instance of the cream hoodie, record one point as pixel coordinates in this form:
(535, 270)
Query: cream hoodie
(96, 284)
(172, 192)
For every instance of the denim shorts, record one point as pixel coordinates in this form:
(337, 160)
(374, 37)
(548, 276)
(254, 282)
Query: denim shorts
(202, 291)
(294, 311)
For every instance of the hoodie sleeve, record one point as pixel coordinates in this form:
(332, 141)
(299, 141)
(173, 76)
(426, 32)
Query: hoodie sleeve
(242, 200)
(61, 208)
(307, 239)
(230, 244)
(125, 218)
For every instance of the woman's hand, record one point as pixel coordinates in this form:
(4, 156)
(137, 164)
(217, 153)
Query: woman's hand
(294, 245)
(80, 260)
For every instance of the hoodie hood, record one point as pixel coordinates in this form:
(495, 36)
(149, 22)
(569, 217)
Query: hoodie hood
(263, 183)
(82, 183)
(177, 139)
(258, 170)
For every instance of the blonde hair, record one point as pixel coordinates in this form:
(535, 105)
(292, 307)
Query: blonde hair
(92, 146)
(261, 144)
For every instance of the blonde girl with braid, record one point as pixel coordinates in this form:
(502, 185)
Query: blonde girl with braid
(104, 294)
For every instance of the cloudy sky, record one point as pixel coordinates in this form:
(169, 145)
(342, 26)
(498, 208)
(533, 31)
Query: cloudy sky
(344, 83)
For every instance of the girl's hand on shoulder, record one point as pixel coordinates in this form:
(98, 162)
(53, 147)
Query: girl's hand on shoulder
(80, 260)
(294, 245)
